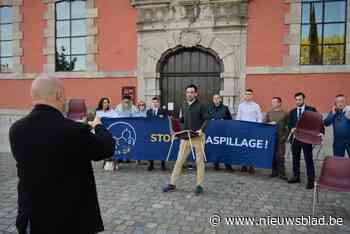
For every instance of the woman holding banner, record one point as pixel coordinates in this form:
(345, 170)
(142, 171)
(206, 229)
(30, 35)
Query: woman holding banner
(103, 110)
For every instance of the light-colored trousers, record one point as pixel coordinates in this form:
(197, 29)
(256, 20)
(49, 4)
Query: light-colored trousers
(185, 148)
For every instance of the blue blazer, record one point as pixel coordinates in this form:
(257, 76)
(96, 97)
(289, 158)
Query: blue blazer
(160, 114)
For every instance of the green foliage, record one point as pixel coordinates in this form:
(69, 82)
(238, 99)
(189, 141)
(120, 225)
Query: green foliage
(61, 61)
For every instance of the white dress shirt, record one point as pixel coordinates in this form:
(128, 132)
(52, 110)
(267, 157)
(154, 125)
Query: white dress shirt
(300, 111)
(249, 111)
(155, 111)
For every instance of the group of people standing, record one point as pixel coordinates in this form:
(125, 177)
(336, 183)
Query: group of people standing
(287, 122)
(126, 109)
(248, 110)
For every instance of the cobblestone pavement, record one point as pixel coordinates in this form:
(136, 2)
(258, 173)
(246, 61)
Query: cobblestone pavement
(132, 202)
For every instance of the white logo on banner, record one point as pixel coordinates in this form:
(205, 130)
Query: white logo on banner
(124, 135)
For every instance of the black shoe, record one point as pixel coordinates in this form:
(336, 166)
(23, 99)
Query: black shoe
(150, 165)
(162, 166)
(310, 185)
(199, 190)
(128, 161)
(169, 188)
(216, 166)
(251, 170)
(273, 174)
(191, 167)
(229, 168)
(244, 169)
(150, 168)
(294, 180)
(282, 177)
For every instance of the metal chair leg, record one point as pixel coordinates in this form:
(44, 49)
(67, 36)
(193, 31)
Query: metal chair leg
(189, 138)
(171, 147)
(203, 147)
(319, 151)
(315, 199)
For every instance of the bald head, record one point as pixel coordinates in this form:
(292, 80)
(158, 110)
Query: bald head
(49, 91)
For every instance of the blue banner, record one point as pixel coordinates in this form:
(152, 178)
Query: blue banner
(227, 141)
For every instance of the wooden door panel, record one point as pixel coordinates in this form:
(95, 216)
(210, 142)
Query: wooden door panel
(189, 66)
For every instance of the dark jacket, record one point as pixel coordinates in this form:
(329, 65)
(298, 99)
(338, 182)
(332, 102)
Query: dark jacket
(160, 114)
(293, 116)
(56, 188)
(341, 126)
(194, 116)
(219, 112)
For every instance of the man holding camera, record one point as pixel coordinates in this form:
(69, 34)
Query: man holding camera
(339, 117)
(56, 189)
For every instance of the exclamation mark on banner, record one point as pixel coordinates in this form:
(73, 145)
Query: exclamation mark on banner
(266, 144)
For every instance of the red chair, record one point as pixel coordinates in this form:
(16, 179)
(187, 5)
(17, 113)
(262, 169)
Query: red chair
(335, 175)
(176, 132)
(309, 129)
(77, 109)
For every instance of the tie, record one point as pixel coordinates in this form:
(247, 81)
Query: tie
(299, 113)
(154, 112)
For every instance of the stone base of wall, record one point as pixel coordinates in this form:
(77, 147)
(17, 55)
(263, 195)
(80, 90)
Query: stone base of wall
(7, 118)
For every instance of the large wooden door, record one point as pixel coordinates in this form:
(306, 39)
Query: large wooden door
(188, 66)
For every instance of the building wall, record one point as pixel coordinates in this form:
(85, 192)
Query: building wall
(33, 36)
(116, 38)
(270, 72)
(266, 30)
(15, 94)
(320, 89)
(116, 56)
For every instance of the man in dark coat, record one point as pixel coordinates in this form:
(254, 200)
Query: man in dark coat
(56, 188)
(218, 111)
(156, 112)
(297, 146)
(195, 119)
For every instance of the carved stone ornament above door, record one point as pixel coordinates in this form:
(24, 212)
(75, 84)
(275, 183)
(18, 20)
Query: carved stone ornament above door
(190, 38)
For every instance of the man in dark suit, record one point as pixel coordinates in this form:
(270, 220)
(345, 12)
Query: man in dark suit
(297, 146)
(56, 188)
(156, 112)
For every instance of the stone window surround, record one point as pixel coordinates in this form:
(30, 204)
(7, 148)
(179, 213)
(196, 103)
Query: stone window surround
(292, 40)
(17, 35)
(49, 34)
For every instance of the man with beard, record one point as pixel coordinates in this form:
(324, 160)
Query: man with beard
(218, 111)
(297, 146)
(194, 118)
(279, 117)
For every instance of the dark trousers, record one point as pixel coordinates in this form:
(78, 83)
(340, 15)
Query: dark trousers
(278, 167)
(218, 165)
(151, 163)
(297, 146)
(339, 148)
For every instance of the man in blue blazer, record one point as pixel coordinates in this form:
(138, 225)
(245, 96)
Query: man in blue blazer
(158, 113)
(297, 146)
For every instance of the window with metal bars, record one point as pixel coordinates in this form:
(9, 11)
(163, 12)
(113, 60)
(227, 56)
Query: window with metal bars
(6, 44)
(323, 32)
(71, 33)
